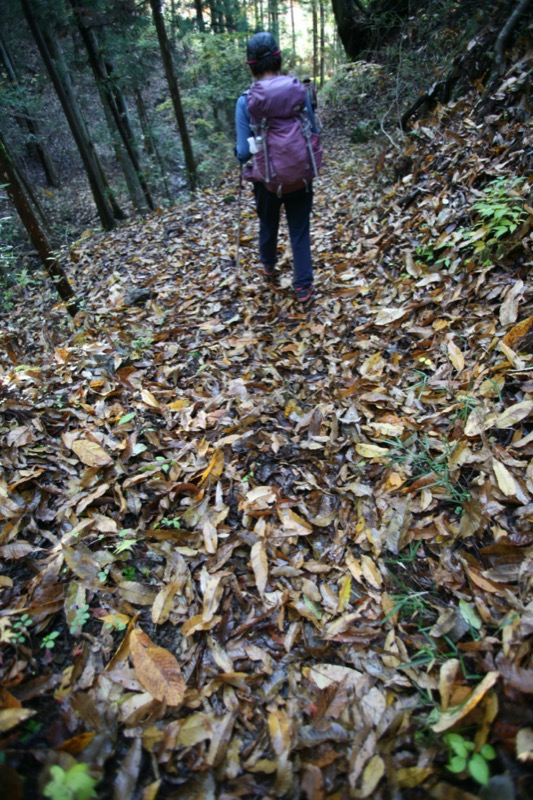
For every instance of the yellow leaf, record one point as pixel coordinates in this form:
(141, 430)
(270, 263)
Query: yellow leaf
(506, 482)
(215, 466)
(279, 730)
(198, 623)
(447, 676)
(513, 414)
(294, 523)
(371, 572)
(196, 728)
(410, 777)
(373, 366)
(260, 565)
(372, 451)
(456, 356)
(10, 717)
(452, 716)
(148, 398)
(345, 593)
(156, 669)
(372, 774)
(177, 405)
(164, 603)
(90, 453)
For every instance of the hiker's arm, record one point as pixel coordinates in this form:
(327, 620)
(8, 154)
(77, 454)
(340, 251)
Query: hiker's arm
(242, 126)
(311, 114)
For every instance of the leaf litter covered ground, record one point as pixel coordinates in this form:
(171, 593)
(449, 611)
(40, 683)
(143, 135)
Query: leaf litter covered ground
(257, 550)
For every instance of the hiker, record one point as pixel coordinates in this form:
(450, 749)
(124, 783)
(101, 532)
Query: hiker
(310, 88)
(275, 125)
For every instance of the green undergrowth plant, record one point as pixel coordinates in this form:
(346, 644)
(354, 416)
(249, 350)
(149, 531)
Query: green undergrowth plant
(425, 457)
(496, 215)
(463, 757)
(71, 784)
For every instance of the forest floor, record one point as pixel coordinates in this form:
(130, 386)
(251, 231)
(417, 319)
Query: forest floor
(257, 550)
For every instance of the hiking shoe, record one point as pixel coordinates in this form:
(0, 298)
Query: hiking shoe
(304, 293)
(268, 271)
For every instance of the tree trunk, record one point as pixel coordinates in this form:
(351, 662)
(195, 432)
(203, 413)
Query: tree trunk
(19, 198)
(322, 42)
(293, 33)
(199, 15)
(148, 140)
(315, 39)
(106, 204)
(273, 19)
(31, 124)
(174, 92)
(104, 84)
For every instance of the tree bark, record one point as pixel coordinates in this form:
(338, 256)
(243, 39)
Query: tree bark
(106, 204)
(19, 198)
(166, 55)
(507, 30)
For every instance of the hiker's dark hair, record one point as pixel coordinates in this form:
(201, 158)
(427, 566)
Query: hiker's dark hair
(263, 54)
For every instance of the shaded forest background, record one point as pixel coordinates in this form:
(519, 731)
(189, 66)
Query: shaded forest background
(113, 109)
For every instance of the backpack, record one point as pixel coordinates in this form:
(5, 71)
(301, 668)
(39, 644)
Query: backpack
(288, 154)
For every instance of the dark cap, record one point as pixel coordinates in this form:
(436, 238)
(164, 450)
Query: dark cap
(261, 45)
(307, 79)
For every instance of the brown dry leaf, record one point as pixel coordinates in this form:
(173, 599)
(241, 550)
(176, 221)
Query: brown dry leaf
(91, 453)
(521, 329)
(293, 523)
(259, 562)
(505, 479)
(514, 414)
(386, 316)
(509, 307)
(164, 603)
(456, 356)
(157, 669)
(76, 744)
(148, 398)
(280, 731)
(453, 715)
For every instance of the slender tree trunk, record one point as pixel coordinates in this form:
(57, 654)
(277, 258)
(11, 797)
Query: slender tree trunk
(293, 32)
(315, 40)
(322, 41)
(19, 198)
(273, 18)
(31, 124)
(166, 55)
(106, 204)
(199, 15)
(104, 84)
(148, 139)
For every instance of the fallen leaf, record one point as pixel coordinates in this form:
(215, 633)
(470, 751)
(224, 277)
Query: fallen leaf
(91, 454)
(157, 669)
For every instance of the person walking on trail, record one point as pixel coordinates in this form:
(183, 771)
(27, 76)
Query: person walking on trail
(310, 88)
(279, 147)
